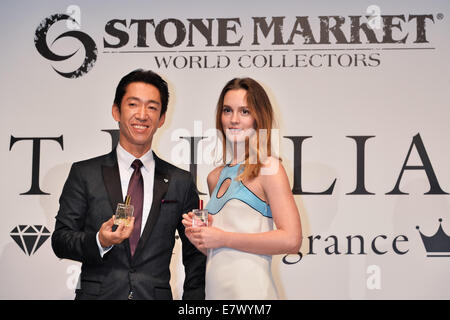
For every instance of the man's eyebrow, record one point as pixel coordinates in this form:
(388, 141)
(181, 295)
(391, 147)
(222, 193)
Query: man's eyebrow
(148, 101)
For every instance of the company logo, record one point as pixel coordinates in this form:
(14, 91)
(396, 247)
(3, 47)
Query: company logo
(294, 41)
(30, 237)
(437, 245)
(90, 48)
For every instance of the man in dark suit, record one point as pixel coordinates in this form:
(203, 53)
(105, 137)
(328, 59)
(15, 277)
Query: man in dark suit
(129, 262)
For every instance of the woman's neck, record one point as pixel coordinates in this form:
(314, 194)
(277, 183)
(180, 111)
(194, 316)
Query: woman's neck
(238, 154)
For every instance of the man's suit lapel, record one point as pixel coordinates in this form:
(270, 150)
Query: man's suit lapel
(160, 187)
(111, 179)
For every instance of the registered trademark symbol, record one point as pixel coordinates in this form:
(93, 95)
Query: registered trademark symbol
(440, 16)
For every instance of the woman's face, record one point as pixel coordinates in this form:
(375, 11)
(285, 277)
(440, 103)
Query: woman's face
(237, 121)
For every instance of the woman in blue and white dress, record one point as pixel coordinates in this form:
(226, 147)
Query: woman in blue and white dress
(248, 195)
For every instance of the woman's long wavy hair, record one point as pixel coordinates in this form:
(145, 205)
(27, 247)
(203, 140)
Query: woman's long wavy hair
(258, 146)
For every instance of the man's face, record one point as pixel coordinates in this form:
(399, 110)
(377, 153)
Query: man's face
(138, 117)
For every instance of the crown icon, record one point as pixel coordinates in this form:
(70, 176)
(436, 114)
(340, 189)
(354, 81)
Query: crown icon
(437, 245)
(30, 238)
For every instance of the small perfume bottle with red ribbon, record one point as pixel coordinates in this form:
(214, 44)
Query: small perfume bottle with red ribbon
(200, 218)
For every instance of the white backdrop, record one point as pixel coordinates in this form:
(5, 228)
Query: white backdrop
(328, 80)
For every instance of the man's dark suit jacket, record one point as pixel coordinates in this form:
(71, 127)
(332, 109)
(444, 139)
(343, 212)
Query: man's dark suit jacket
(89, 198)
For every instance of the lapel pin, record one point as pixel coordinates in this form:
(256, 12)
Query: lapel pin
(166, 180)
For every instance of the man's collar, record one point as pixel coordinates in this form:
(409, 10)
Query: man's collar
(127, 158)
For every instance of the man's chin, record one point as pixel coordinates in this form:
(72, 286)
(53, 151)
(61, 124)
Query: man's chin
(140, 144)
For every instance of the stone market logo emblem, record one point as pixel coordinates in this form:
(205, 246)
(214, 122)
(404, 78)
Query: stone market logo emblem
(90, 48)
(30, 237)
(437, 245)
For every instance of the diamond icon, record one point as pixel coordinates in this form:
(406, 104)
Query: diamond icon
(30, 237)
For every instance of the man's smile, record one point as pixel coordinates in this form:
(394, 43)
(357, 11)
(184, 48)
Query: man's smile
(140, 126)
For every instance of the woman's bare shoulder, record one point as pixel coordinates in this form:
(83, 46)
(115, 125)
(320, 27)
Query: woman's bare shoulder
(271, 168)
(213, 177)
